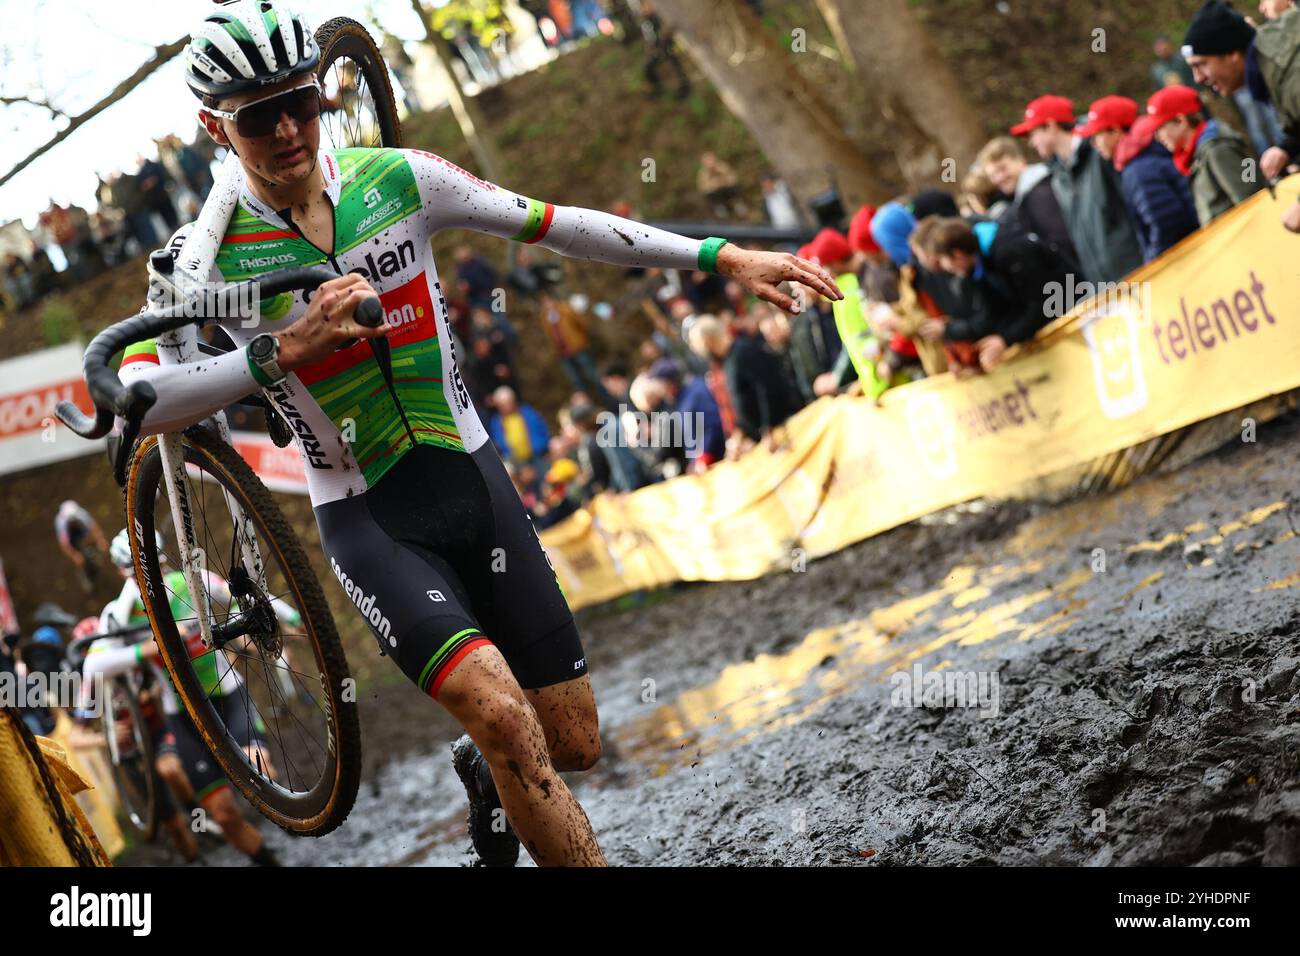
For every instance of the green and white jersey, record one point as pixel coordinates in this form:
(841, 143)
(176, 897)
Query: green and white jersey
(350, 426)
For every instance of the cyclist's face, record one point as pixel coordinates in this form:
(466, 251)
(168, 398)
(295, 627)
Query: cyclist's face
(285, 156)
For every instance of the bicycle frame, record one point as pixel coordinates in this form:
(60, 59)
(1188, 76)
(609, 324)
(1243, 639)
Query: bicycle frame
(194, 263)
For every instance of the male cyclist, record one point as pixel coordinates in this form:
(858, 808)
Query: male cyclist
(417, 515)
(109, 657)
(183, 759)
(79, 538)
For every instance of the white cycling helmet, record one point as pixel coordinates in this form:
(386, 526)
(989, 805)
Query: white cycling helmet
(119, 551)
(247, 45)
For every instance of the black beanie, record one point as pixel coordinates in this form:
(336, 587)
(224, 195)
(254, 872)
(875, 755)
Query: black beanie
(933, 202)
(1217, 29)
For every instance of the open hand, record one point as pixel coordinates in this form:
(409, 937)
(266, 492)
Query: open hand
(1273, 162)
(762, 272)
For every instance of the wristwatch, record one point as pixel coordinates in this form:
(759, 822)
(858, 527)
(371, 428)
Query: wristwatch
(263, 353)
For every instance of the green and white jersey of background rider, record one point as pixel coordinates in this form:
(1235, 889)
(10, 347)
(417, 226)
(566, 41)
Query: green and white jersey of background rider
(388, 203)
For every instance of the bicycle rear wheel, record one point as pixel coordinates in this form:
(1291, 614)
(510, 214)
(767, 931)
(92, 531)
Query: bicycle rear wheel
(132, 759)
(359, 106)
(295, 756)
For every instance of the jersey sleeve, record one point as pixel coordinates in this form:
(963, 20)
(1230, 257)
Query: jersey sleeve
(111, 661)
(191, 391)
(456, 199)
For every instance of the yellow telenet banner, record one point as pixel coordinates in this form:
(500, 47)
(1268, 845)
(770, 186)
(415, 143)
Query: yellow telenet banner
(1211, 326)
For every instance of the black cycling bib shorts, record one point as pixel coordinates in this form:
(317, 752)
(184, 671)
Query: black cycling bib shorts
(440, 557)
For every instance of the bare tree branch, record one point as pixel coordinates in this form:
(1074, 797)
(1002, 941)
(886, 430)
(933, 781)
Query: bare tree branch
(161, 55)
(31, 100)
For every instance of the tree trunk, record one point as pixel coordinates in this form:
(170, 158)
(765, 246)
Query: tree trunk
(886, 45)
(465, 111)
(784, 113)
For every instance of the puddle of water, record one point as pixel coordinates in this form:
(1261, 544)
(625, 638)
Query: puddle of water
(1278, 585)
(774, 691)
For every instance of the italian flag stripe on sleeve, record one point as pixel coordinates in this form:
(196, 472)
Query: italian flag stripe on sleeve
(537, 223)
(141, 352)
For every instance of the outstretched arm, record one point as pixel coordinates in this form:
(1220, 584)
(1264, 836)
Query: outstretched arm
(455, 199)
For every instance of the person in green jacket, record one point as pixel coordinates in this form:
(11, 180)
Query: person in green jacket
(1218, 159)
(1227, 53)
(860, 347)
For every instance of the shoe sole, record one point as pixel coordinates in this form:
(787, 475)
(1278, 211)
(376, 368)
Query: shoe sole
(493, 848)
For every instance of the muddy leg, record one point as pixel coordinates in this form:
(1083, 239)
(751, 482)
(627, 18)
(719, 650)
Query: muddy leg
(569, 718)
(484, 696)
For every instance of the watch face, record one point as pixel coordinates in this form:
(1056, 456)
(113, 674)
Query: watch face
(262, 347)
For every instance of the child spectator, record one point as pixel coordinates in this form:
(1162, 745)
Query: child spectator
(555, 502)
(979, 197)
(775, 328)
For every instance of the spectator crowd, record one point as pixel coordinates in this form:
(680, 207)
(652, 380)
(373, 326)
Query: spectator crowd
(935, 281)
(133, 211)
(938, 280)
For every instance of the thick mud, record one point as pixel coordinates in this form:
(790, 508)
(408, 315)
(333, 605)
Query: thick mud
(1138, 653)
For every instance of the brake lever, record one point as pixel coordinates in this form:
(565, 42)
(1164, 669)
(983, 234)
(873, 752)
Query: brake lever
(370, 313)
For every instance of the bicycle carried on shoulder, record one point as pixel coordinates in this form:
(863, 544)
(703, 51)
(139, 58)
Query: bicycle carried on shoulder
(219, 521)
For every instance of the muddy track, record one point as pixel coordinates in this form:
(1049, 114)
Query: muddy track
(1146, 651)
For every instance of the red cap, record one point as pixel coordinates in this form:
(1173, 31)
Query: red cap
(1109, 112)
(860, 230)
(1044, 110)
(806, 252)
(1173, 102)
(830, 246)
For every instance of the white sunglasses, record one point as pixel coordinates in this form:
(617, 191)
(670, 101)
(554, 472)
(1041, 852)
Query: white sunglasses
(262, 116)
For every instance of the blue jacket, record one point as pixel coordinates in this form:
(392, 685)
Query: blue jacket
(696, 397)
(1160, 200)
(538, 435)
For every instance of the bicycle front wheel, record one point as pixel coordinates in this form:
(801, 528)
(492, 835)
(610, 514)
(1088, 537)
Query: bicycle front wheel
(272, 697)
(359, 108)
(130, 751)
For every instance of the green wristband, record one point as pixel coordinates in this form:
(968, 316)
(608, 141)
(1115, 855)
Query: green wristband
(708, 259)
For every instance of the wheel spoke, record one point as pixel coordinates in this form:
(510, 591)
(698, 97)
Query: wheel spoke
(296, 739)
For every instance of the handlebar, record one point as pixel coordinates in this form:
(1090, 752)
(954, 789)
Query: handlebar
(133, 402)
